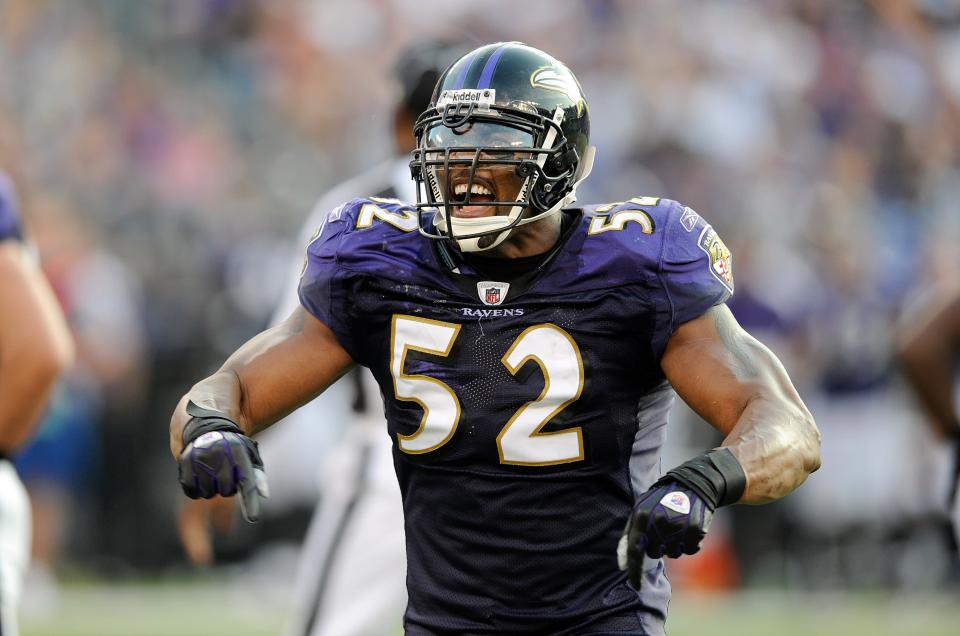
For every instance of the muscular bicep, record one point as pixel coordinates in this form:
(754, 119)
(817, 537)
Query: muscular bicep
(718, 368)
(736, 384)
(30, 318)
(272, 374)
(284, 367)
(35, 343)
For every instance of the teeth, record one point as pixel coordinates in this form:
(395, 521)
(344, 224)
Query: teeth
(461, 188)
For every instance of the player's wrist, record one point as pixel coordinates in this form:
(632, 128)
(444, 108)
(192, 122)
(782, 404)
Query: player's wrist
(204, 420)
(716, 476)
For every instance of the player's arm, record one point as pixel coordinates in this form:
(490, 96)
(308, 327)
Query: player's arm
(740, 387)
(928, 350)
(268, 377)
(35, 344)
(772, 443)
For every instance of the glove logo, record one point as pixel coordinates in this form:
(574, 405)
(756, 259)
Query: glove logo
(676, 501)
(208, 439)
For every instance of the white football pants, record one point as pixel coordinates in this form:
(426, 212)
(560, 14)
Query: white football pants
(14, 545)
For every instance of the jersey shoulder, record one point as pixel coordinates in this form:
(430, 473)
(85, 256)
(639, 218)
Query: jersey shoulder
(652, 230)
(366, 237)
(373, 237)
(626, 223)
(664, 243)
(364, 233)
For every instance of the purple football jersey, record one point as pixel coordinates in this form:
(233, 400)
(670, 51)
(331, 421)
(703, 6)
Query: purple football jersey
(526, 414)
(9, 214)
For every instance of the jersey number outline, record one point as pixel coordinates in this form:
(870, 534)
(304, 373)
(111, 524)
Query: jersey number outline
(521, 441)
(619, 219)
(403, 219)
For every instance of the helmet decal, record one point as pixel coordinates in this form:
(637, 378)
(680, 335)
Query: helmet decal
(464, 69)
(550, 78)
(490, 67)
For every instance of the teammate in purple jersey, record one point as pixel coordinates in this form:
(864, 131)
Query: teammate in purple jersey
(35, 347)
(528, 352)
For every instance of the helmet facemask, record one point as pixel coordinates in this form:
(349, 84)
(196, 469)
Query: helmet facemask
(460, 143)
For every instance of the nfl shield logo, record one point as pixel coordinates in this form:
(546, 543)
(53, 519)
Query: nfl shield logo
(676, 501)
(492, 292)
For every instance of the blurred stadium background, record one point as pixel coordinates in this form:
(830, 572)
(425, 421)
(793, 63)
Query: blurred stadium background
(168, 150)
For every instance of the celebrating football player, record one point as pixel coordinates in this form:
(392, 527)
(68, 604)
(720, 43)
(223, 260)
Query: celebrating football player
(528, 351)
(35, 347)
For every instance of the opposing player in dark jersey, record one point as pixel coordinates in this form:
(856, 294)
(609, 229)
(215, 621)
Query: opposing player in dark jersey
(528, 353)
(35, 346)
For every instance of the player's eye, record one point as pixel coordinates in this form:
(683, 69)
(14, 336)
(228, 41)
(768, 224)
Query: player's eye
(478, 135)
(500, 155)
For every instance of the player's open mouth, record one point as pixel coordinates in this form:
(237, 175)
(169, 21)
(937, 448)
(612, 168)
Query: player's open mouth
(480, 192)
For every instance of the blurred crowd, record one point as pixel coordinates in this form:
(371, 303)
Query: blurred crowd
(167, 151)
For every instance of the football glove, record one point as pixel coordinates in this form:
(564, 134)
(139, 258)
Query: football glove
(669, 519)
(674, 515)
(218, 459)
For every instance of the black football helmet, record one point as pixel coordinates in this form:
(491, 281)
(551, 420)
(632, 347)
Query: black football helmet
(501, 104)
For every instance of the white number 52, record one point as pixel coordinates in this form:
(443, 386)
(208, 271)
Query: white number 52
(521, 441)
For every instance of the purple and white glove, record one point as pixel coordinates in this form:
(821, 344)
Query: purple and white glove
(218, 459)
(674, 515)
(667, 520)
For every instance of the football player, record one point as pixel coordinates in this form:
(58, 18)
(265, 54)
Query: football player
(35, 347)
(929, 350)
(528, 352)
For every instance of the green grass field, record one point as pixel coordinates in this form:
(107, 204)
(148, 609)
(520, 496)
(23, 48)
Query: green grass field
(210, 608)
(821, 614)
